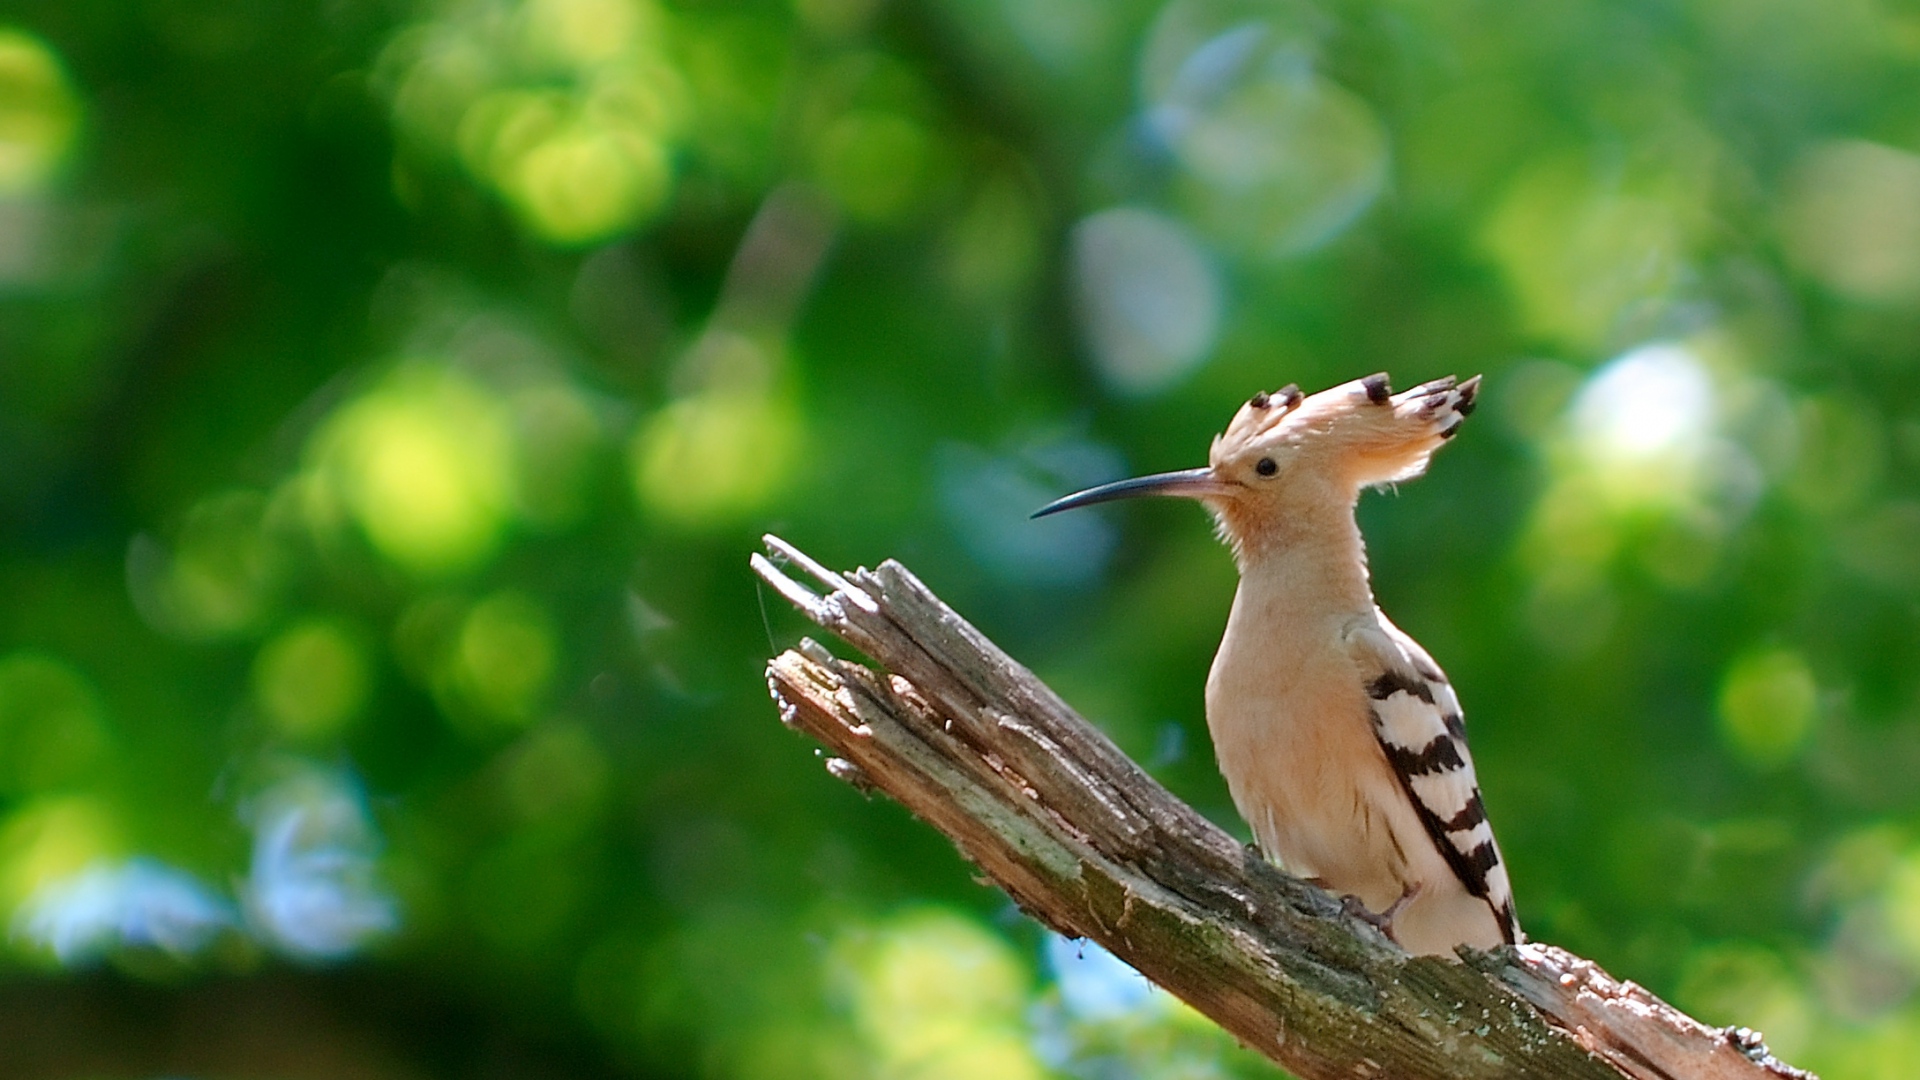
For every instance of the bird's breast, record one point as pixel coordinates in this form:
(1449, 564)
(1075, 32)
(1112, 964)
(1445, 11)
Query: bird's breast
(1287, 711)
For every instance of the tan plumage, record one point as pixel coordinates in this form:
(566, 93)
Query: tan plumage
(1340, 739)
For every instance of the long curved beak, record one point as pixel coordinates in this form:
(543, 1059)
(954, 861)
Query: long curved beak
(1185, 484)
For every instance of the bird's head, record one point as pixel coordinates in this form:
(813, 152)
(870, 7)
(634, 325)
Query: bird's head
(1285, 454)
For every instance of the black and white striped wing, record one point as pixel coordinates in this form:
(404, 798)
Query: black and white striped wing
(1417, 719)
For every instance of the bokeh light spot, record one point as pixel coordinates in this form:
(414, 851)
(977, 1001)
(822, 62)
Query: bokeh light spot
(1645, 465)
(39, 113)
(52, 723)
(220, 576)
(1287, 166)
(1583, 254)
(506, 654)
(1642, 431)
(716, 455)
(424, 463)
(1148, 298)
(1066, 36)
(1768, 703)
(937, 996)
(1851, 219)
(1276, 159)
(50, 839)
(312, 679)
(1651, 403)
(579, 185)
(568, 110)
(500, 127)
(1842, 454)
(1858, 864)
(1738, 983)
(582, 33)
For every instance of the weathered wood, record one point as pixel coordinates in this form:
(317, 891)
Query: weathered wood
(1089, 844)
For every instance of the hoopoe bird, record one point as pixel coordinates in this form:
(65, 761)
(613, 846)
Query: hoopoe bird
(1341, 741)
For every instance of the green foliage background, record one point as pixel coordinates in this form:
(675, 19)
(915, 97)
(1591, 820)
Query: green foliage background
(391, 391)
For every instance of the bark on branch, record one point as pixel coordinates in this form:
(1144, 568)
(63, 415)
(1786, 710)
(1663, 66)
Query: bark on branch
(1089, 844)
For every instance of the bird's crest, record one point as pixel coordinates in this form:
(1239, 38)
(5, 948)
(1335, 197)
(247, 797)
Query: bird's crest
(1359, 428)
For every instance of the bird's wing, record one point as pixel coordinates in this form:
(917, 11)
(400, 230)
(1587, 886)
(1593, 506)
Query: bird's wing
(1417, 718)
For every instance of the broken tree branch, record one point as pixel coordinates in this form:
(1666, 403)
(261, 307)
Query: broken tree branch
(1092, 846)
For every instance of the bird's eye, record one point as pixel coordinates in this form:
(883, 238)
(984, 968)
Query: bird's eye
(1266, 466)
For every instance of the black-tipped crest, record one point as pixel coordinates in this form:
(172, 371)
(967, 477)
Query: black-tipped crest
(1287, 397)
(1469, 390)
(1340, 433)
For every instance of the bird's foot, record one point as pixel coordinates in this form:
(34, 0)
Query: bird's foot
(1356, 908)
(1379, 920)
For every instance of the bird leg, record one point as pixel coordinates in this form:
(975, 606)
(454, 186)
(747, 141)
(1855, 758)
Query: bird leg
(1379, 920)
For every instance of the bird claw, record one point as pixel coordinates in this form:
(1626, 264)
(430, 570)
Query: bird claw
(1354, 908)
(1382, 921)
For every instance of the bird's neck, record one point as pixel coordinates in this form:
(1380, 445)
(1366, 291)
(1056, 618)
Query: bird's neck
(1314, 557)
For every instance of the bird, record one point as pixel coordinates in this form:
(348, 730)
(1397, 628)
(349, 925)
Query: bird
(1341, 741)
